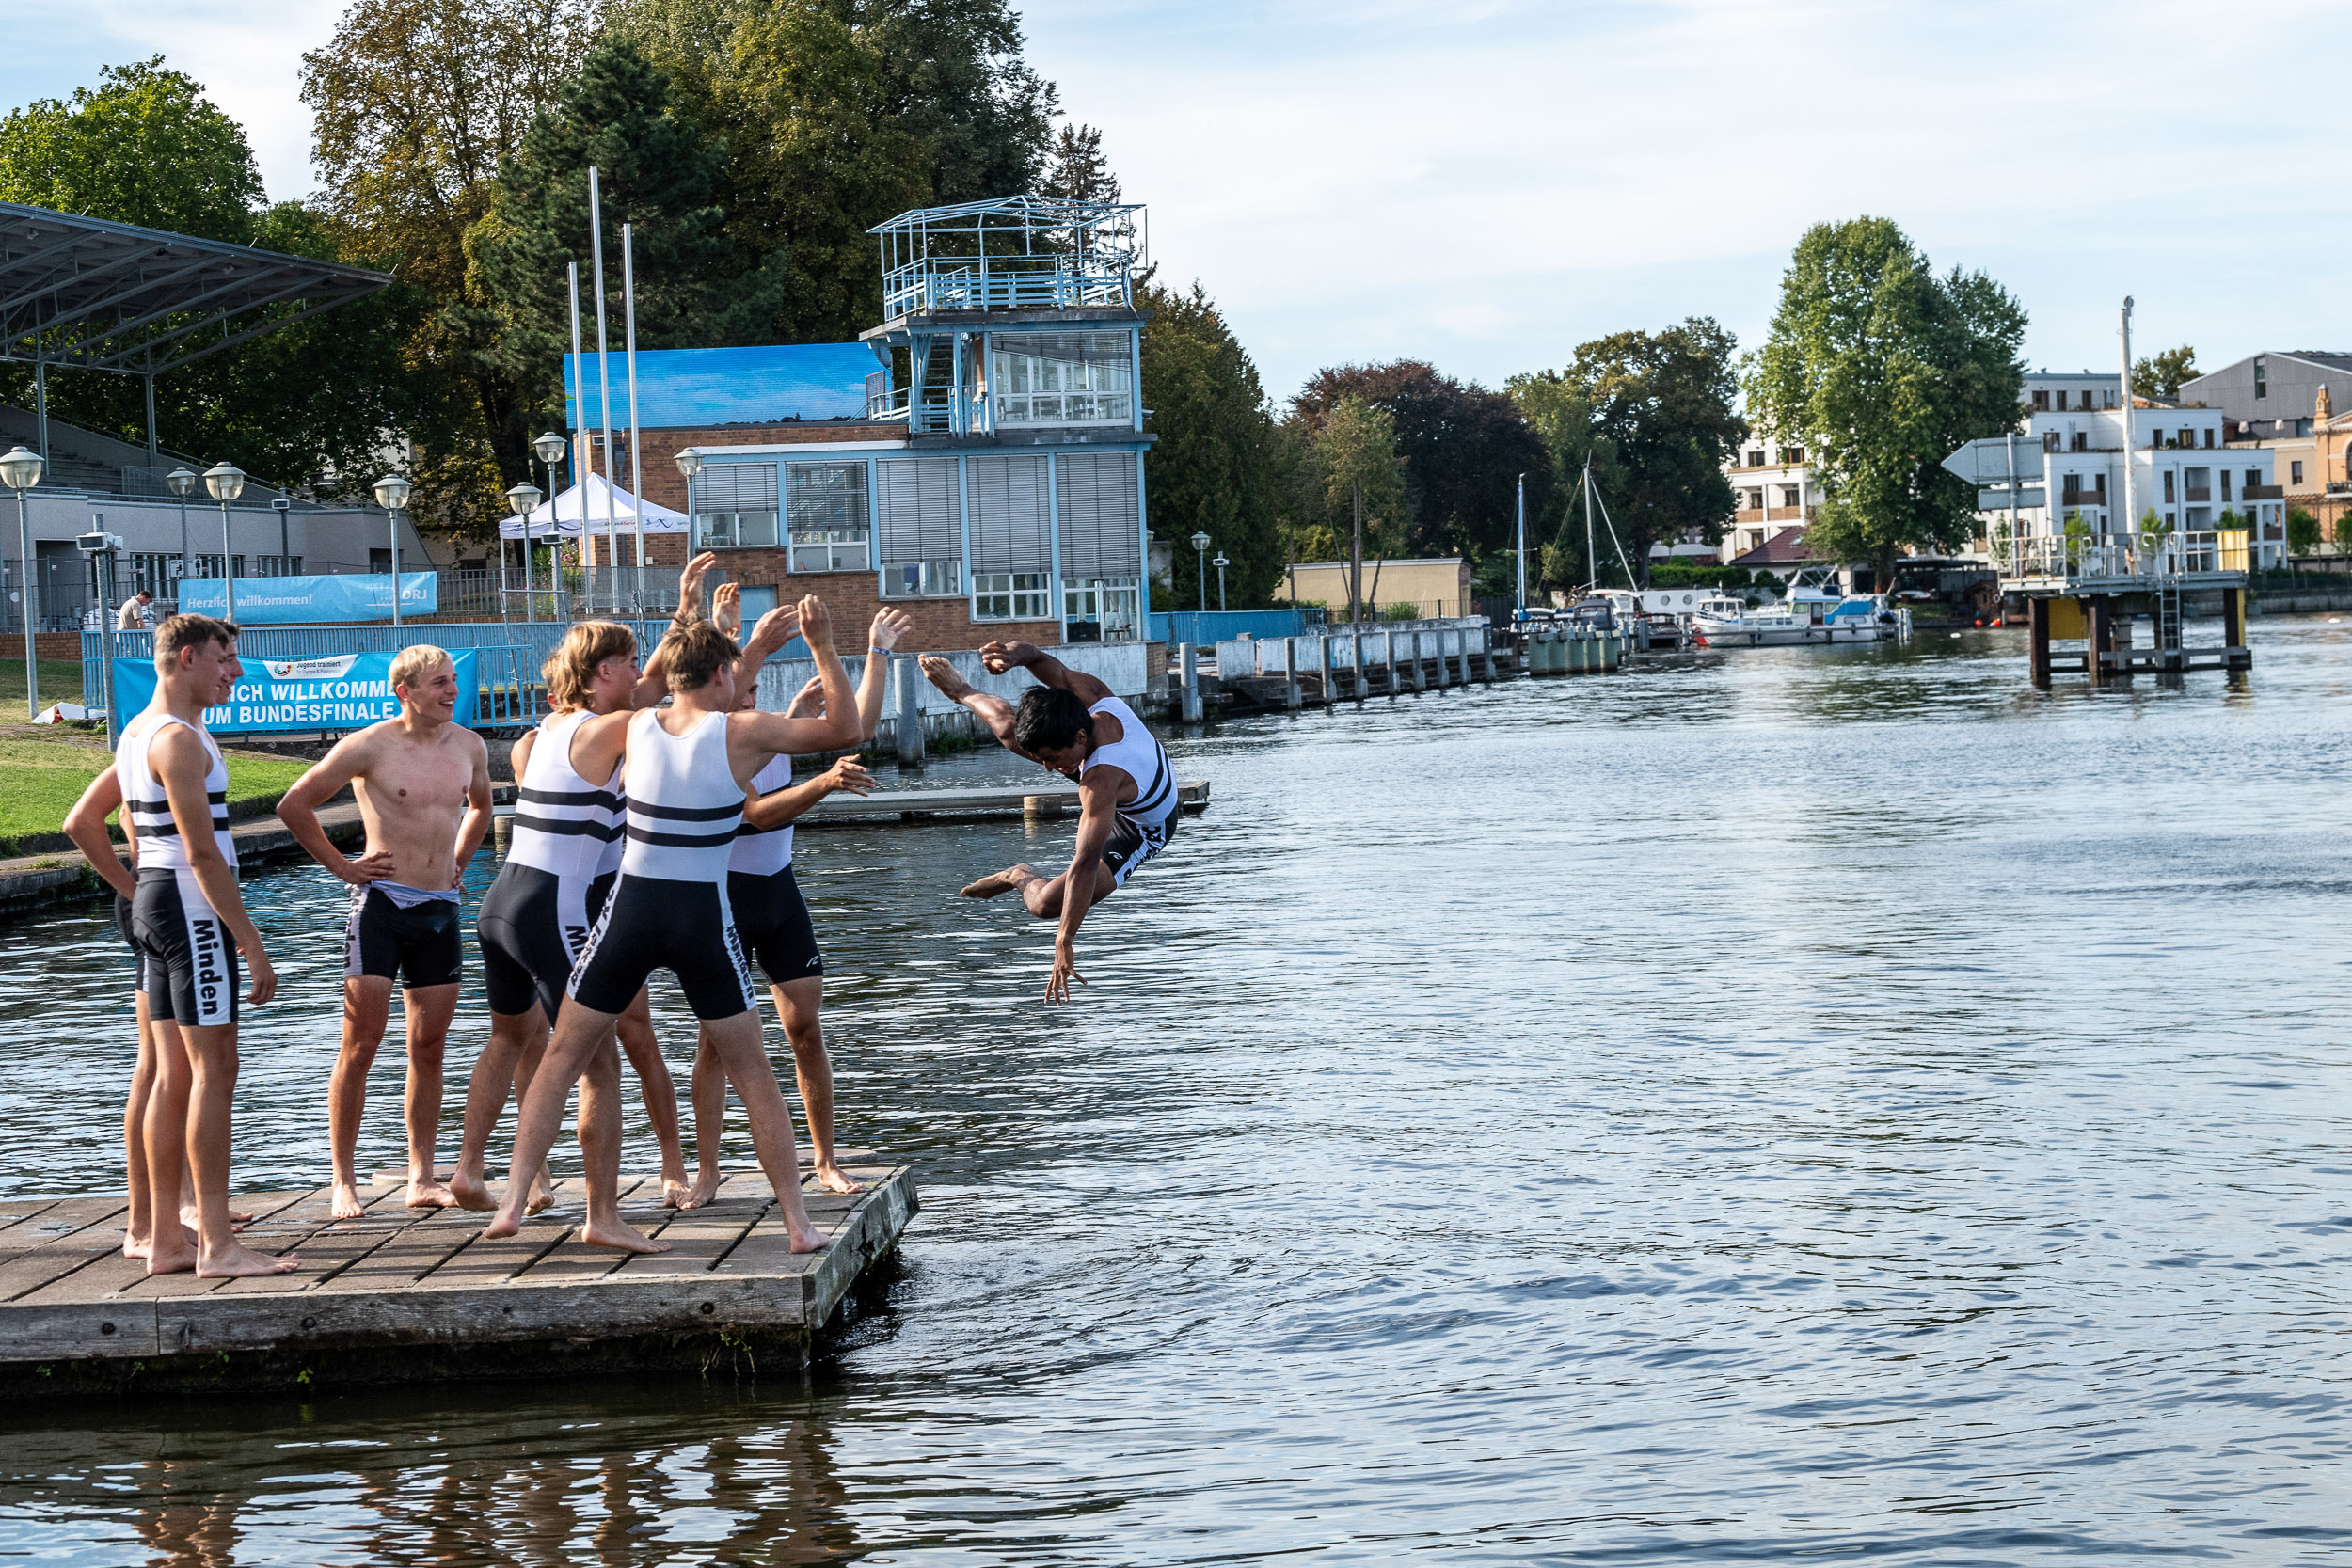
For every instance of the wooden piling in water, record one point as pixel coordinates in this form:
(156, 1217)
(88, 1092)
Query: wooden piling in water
(2038, 641)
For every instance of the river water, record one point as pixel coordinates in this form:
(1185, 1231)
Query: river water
(1777, 1104)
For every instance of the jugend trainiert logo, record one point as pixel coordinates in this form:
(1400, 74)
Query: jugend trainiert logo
(333, 668)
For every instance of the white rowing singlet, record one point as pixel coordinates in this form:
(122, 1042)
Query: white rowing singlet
(146, 810)
(764, 851)
(563, 822)
(1138, 754)
(684, 805)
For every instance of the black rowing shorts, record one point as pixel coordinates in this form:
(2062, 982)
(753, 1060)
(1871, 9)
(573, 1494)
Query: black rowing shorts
(130, 940)
(1129, 849)
(189, 965)
(652, 922)
(420, 945)
(772, 919)
(531, 927)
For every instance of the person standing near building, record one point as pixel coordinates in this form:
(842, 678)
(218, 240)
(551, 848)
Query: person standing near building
(423, 786)
(191, 927)
(137, 612)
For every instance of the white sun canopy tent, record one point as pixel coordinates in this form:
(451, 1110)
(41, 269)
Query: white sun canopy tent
(581, 510)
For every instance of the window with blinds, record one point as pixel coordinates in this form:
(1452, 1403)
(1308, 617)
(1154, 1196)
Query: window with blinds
(831, 518)
(1009, 520)
(734, 506)
(918, 519)
(1101, 516)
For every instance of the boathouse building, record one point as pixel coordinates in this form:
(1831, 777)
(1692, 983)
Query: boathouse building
(992, 486)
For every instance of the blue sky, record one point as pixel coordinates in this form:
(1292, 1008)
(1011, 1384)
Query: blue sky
(1485, 185)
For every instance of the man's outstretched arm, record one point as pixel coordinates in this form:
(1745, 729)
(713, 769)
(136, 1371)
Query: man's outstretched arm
(1098, 808)
(997, 657)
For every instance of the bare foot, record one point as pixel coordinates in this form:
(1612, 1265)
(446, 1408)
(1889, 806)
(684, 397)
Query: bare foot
(542, 1193)
(621, 1237)
(676, 1194)
(706, 1188)
(468, 1190)
(942, 675)
(345, 1205)
(835, 1180)
(805, 1236)
(137, 1247)
(502, 1224)
(1002, 882)
(430, 1195)
(176, 1259)
(236, 1262)
(189, 1217)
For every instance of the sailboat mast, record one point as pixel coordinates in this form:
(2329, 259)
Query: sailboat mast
(1591, 555)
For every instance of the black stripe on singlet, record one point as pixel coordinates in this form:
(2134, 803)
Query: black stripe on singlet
(679, 841)
(685, 814)
(1152, 796)
(218, 796)
(571, 827)
(605, 798)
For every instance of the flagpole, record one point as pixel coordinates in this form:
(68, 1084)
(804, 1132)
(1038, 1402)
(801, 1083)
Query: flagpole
(580, 445)
(636, 474)
(604, 394)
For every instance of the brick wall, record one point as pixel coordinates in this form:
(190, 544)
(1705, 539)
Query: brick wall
(666, 486)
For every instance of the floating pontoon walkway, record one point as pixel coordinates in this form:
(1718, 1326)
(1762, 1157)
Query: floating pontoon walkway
(412, 1295)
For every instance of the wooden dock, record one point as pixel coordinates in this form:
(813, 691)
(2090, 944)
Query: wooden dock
(412, 1295)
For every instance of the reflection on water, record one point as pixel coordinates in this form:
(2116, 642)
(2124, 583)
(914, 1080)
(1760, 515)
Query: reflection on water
(1781, 1103)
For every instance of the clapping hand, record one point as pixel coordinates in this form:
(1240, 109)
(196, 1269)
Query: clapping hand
(726, 608)
(889, 626)
(808, 702)
(847, 773)
(816, 623)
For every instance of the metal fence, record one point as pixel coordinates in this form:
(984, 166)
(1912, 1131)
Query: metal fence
(2126, 555)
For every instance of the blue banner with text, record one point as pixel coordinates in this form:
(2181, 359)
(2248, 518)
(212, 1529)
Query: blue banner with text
(281, 601)
(341, 691)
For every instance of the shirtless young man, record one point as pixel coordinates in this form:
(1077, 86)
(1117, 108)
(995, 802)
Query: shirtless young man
(1127, 801)
(191, 925)
(560, 867)
(689, 765)
(771, 916)
(423, 786)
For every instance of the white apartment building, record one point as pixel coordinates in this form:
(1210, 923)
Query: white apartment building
(2066, 463)
(1774, 490)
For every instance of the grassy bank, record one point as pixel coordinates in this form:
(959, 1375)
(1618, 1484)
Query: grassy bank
(47, 767)
(60, 682)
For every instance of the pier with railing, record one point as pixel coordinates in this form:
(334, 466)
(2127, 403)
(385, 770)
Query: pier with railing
(2093, 589)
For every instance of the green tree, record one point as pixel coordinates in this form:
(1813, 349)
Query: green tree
(1561, 416)
(1348, 493)
(1659, 419)
(415, 104)
(842, 113)
(658, 174)
(2303, 532)
(1882, 369)
(1464, 448)
(1077, 170)
(309, 406)
(1212, 467)
(2161, 377)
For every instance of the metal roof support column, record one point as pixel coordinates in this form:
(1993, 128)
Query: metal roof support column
(150, 379)
(40, 407)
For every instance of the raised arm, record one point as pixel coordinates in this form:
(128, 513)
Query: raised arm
(837, 731)
(1098, 814)
(179, 761)
(653, 680)
(889, 627)
(299, 812)
(85, 825)
(997, 657)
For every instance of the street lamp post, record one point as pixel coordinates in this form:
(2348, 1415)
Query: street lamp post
(689, 463)
(225, 482)
(20, 470)
(391, 494)
(1201, 549)
(550, 448)
(181, 483)
(524, 499)
(1222, 564)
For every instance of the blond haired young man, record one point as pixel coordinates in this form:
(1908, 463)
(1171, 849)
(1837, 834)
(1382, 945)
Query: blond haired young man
(190, 926)
(424, 785)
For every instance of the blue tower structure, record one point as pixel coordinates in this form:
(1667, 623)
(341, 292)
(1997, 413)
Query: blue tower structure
(1012, 350)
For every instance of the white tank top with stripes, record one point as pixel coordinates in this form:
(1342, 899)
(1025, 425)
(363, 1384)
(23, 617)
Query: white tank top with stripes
(1138, 753)
(146, 810)
(563, 823)
(684, 805)
(764, 851)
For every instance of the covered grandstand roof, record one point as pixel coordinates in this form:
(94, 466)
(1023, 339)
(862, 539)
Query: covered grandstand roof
(113, 296)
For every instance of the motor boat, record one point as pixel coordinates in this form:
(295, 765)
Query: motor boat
(1810, 614)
